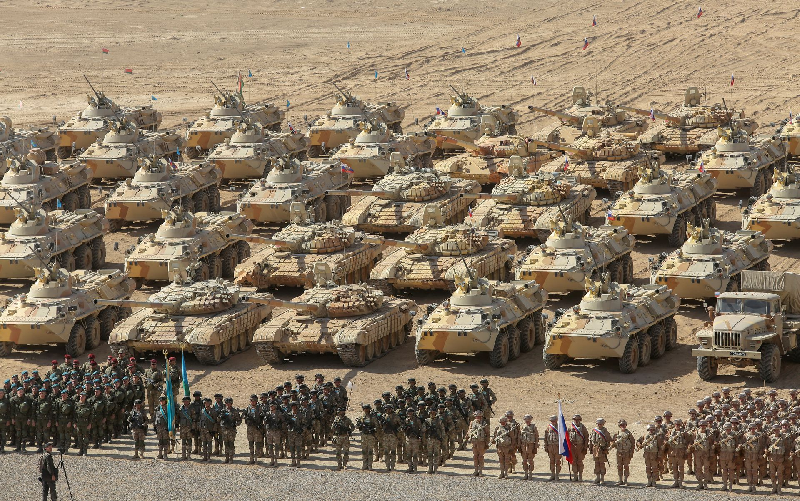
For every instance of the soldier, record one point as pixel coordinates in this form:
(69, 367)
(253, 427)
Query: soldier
(752, 450)
(138, 425)
(22, 409)
(294, 439)
(551, 446)
(368, 426)
(489, 396)
(390, 424)
(478, 401)
(579, 438)
(273, 426)
(154, 379)
(229, 420)
(254, 419)
(218, 405)
(528, 445)
(702, 446)
(624, 443)
(83, 423)
(5, 419)
(186, 426)
(677, 444)
(512, 454)
(43, 416)
(340, 391)
(503, 439)
(413, 430)
(161, 424)
(48, 473)
(651, 446)
(795, 455)
(342, 429)
(434, 433)
(207, 425)
(478, 437)
(195, 408)
(728, 449)
(776, 452)
(66, 418)
(600, 441)
(98, 403)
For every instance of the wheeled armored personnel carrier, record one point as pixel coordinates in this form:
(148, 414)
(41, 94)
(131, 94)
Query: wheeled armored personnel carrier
(270, 200)
(212, 319)
(355, 321)
(289, 257)
(776, 214)
(251, 151)
(574, 252)
(611, 118)
(202, 241)
(664, 203)
(370, 154)
(631, 323)
(20, 141)
(341, 125)
(789, 132)
(710, 261)
(504, 319)
(160, 185)
(60, 309)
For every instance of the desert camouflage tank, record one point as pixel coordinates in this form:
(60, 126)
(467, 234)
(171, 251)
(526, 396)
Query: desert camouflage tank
(710, 261)
(115, 155)
(467, 120)
(20, 141)
(252, 150)
(212, 319)
(223, 120)
(739, 161)
(504, 319)
(522, 205)
(341, 125)
(159, 185)
(55, 185)
(663, 203)
(573, 253)
(432, 256)
(776, 214)
(60, 308)
(270, 200)
(370, 154)
(397, 202)
(290, 256)
(355, 321)
(202, 241)
(789, 132)
(632, 323)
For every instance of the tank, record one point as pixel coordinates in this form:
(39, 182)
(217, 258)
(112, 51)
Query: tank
(341, 125)
(776, 214)
(289, 257)
(115, 155)
(662, 203)
(523, 204)
(269, 200)
(60, 308)
(633, 324)
(355, 321)
(710, 261)
(36, 237)
(252, 150)
(214, 319)
(369, 155)
(432, 256)
(54, 185)
(503, 319)
(397, 202)
(15, 141)
(208, 242)
(790, 133)
(610, 117)
(223, 120)
(159, 185)
(574, 252)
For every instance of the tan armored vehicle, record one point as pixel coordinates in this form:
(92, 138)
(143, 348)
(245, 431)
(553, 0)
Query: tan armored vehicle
(432, 256)
(504, 319)
(60, 308)
(664, 203)
(573, 253)
(201, 241)
(223, 120)
(212, 319)
(776, 214)
(397, 202)
(790, 133)
(270, 200)
(756, 327)
(341, 125)
(631, 323)
(20, 141)
(522, 205)
(252, 150)
(289, 257)
(355, 321)
(370, 154)
(55, 185)
(116, 154)
(160, 185)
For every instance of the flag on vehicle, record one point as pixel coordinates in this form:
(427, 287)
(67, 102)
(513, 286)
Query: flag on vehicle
(699, 12)
(702, 166)
(519, 41)
(564, 444)
(594, 20)
(652, 114)
(129, 70)
(585, 43)
(732, 79)
(105, 51)
(347, 168)
(609, 215)
(566, 163)
(184, 375)
(408, 76)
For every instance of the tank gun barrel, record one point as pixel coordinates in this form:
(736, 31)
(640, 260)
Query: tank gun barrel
(135, 304)
(280, 303)
(565, 117)
(646, 113)
(362, 193)
(396, 243)
(504, 197)
(256, 239)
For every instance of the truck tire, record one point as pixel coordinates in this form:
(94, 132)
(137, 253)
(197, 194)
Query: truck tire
(658, 341)
(645, 349)
(424, 357)
(538, 324)
(93, 334)
(629, 361)
(76, 344)
(671, 330)
(552, 361)
(678, 235)
(758, 185)
(793, 355)
(514, 342)
(770, 366)
(83, 257)
(707, 368)
(98, 253)
(6, 347)
(498, 357)
(527, 334)
(229, 261)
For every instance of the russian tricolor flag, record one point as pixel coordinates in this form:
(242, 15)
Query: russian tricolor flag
(594, 20)
(564, 445)
(732, 79)
(566, 163)
(699, 12)
(585, 43)
(519, 41)
(652, 114)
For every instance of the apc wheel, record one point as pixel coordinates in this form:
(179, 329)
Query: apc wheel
(711, 209)
(229, 261)
(242, 250)
(64, 152)
(214, 266)
(424, 357)
(83, 257)
(527, 334)
(770, 367)
(84, 197)
(707, 368)
(314, 151)
(70, 202)
(629, 361)
(645, 349)
(76, 345)
(615, 272)
(658, 340)
(320, 212)
(115, 225)
(214, 202)
(67, 261)
(98, 253)
(538, 325)
(626, 263)
(514, 342)
(733, 285)
(333, 207)
(6, 347)
(671, 331)
(200, 202)
(678, 235)
(93, 333)
(202, 273)
(552, 361)
(758, 186)
(499, 356)
(108, 320)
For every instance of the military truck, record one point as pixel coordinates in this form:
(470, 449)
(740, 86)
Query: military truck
(776, 214)
(251, 151)
(15, 141)
(369, 155)
(756, 326)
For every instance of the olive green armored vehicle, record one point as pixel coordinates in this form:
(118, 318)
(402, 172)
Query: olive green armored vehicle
(369, 155)
(251, 151)
(776, 214)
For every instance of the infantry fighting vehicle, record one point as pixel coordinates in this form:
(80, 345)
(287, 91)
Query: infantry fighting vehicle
(355, 321)
(341, 125)
(20, 141)
(522, 205)
(397, 202)
(756, 327)
(710, 261)
(574, 252)
(115, 155)
(202, 241)
(159, 185)
(776, 214)
(60, 308)
(611, 118)
(290, 256)
(251, 151)
(504, 319)
(432, 256)
(369, 155)
(32, 177)
(632, 323)
(212, 319)
(790, 133)
(270, 200)
(663, 203)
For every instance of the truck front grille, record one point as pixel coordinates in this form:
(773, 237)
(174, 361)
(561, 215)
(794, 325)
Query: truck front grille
(727, 339)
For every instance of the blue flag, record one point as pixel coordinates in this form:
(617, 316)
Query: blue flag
(58, 203)
(288, 104)
(153, 98)
(184, 376)
(348, 45)
(376, 75)
(249, 74)
(463, 50)
(170, 402)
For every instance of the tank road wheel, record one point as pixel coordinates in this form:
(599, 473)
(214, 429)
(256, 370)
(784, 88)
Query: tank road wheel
(244, 341)
(202, 272)
(386, 344)
(678, 235)
(200, 202)
(67, 261)
(229, 261)
(83, 257)
(333, 207)
(370, 351)
(6, 347)
(629, 361)
(758, 185)
(226, 348)
(498, 357)
(671, 333)
(379, 352)
(527, 334)
(98, 253)
(214, 202)
(108, 320)
(84, 197)
(707, 368)
(553, 361)
(93, 333)
(268, 353)
(242, 250)
(658, 340)
(770, 367)
(353, 355)
(645, 349)
(209, 355)
(76, 345)
(235, 343)
(70, 202)
(515, 344)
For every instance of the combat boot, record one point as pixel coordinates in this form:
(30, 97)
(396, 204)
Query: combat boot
(603, 480)
(620, 481)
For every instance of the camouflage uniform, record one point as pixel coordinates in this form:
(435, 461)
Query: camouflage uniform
(677, 444)
(414, 432)
(368, 426)
(503, 439)
(390, 424)
(579, 438)
(478, 436)
(551, 446)
(625, 444)
(728, 450)
(98, 403)
(207, 425)
(254, 419)
(83, 424)
(600, 441)
(703, 445)
(342, 428)
(137, 422)
(43, 415)
(186, 427)
(5, 420)
(161, 425)
(434, 433)
(273, 424)
(22, 410)
(776, 452)
(154, 380)
(651, 445)
(528, 445)
(66, 419)
(229, 419)
(294, 440)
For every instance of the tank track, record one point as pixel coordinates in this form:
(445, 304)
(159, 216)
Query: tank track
(268, 353)
(205, 355)
(348, 353)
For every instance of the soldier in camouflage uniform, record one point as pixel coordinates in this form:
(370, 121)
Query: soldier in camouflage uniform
(434, 434)
(478, 436)
(22, 409)
(83, 423)
(600, 442)
(137, 422)
(625, 444)
(254, 420)
(390, 424)
(677, 445)
(219, 405)
(186, 427)
(503, 439)
(294, 440)
(651, 445)
(342, 428)
(413, 431)
(161, 425)
(702, 446)
(229, 420)
(207, 424)
(273, 426)
(368, 426)
(579, 438)
(195, 408)
(43, 416)
(5, 419)
(528, 445)
(776, 453)
(551, 446)
(98, 403)
(154, 380)
(66, 419)
(728, 450)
